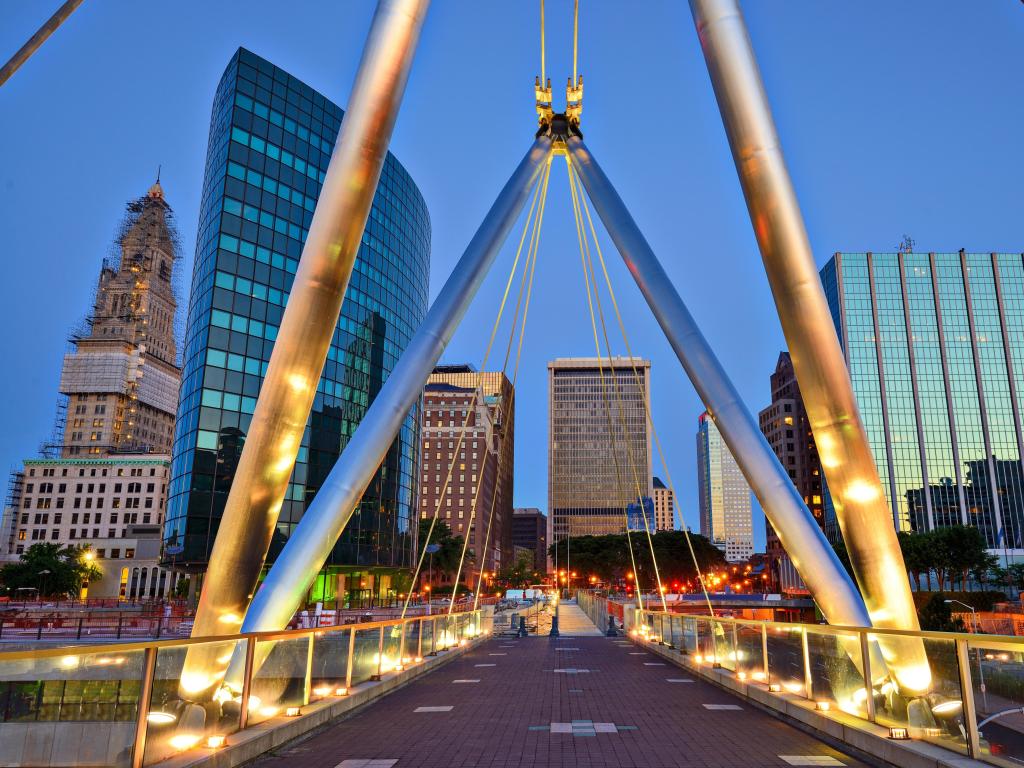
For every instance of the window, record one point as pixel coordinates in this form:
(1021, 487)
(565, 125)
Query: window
(129, 553)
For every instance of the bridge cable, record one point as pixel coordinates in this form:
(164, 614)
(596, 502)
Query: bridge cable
(647, 408)
(465, 423)
(612, 435)
(575, 39)
(531, 258)
(591, 278)
(543, 76)
(508, 408)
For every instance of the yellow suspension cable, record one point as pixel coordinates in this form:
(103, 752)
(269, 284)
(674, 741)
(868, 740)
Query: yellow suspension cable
(531, 264)
(534, 242)
(588, 266)
(647, 408)
(543, 77)
(604, 391)
(465, 422)
(575, 39)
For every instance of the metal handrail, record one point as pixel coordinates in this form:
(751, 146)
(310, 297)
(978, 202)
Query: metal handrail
(178, 642)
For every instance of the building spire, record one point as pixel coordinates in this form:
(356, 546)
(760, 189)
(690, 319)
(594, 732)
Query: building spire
(156, 191)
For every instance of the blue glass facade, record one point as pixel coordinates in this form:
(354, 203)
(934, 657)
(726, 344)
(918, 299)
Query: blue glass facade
(935, 346)
(271, 138)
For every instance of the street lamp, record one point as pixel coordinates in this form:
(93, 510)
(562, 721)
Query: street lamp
(981, 669)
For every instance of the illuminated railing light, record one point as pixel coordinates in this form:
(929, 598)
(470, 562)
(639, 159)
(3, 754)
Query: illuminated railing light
(824, 706)
(322, 690)
(216, 741)
(160, 718)
(183, 741)
(898, 733)
(292, 711)
(774, 687)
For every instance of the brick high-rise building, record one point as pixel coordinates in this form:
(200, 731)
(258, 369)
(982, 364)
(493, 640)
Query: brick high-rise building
(121, 381)
(785, 425)
(477, 465)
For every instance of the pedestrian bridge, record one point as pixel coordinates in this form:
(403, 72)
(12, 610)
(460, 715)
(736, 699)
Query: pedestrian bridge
(449, 690)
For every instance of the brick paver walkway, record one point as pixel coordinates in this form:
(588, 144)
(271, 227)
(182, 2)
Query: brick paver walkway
(578, 702)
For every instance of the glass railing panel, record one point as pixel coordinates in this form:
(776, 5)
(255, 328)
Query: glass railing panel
(689, 632)
(330, 663)
(278, 683)
(786, 659)
(749, 654)
(724, 653)
(392, 655)
(176, 721)
(935, 715)
(836, 677)
(364, 659)
(45, 701)
(997, 676)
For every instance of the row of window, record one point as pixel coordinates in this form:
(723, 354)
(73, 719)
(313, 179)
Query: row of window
(132, 472)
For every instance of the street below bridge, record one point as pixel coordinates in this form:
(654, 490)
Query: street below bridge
(579, 701)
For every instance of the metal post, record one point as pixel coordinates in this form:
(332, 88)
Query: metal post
(970, 710)
(401, 642)
(419, 640)
(818, 361)
(145, 699)
(78, 634)
(735, 649)
(312, 540)
(351, 658)
(51, 25)
(243, 710)
(307, 327)
(433, 637)
(380, 653)
(821, 570)
(808, 680)
(764, 654)
(307, 679)
(120, 622)
(865, 662)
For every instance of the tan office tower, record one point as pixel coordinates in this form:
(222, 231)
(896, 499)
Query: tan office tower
(485, 458)
(121, 380)
(664, 507)
(599, 444)
(725, 498)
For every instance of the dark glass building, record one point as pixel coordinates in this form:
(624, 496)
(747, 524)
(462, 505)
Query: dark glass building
(935, 346)
(271, 138)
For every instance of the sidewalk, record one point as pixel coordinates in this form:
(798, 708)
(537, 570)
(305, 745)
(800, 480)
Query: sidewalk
(578, 702)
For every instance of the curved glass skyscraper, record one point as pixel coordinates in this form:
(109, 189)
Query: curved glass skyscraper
(271, 138)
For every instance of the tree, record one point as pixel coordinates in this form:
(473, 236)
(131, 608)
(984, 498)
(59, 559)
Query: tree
(52, 569)
(520, 574)
(936, 616)
(446, 559)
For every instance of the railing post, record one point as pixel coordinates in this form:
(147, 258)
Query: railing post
(78, 635)
(401, 643)
(419, 640)
(307, 680)
(380, 652)
(351, 657)
(39, 631)
(865, 663)
(735, 649)
(250, 656)
(963, 663)
(120, 620)
(433, 637)
(764, 653)
(145, 698)
(808, 682)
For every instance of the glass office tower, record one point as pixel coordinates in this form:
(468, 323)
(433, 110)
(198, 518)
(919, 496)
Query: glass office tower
(271, 138)
(935, 346)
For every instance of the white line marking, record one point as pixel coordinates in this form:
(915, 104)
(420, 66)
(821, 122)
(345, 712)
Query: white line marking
(810, 760)
(432, 709)
(474, 680)
(722, 706)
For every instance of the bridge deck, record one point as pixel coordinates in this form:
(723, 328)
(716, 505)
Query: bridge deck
(578, 701)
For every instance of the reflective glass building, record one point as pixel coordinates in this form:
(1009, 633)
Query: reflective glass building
(935, 346)
(271, 138)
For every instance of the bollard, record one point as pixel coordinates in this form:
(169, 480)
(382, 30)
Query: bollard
(554, 626)
(522, 627)
(611, 626)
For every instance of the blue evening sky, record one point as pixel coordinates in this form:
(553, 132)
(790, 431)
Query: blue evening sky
(896, 118)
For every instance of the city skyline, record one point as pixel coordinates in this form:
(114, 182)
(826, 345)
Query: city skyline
(947, 211)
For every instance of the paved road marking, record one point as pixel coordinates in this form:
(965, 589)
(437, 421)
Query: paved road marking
(572, 671)
(638, 653)
(432, 709)
(485, 665)
(566, 649)
(653, 664)
(722, 706)
(810, 760)
(497, 654)
(583, 728)
(474, 680)
(366, 763)
(678, 680)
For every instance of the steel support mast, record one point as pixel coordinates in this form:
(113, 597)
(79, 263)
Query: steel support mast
(861, 509)
(287, 393)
